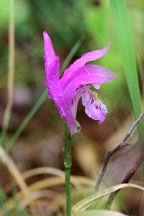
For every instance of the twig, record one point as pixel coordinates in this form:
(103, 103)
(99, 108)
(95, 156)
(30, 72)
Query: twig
(16, 175)
(132, 127)
(120, 146)
(125, 180)
(14, 171)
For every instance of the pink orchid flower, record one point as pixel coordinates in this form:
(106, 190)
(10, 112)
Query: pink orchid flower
(66, 91)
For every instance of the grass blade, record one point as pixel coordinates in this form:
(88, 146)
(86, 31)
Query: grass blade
(26, 120)
(84, 204)
(99, 213)
(125, 41)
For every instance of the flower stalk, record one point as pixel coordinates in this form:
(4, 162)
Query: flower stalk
(67, 165)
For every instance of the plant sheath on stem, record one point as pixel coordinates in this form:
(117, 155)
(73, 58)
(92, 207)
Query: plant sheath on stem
(67, 164)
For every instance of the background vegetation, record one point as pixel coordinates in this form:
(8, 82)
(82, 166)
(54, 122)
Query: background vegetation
(75, 27)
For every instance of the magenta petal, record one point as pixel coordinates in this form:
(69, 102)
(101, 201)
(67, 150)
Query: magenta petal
(72, 124)
(75, 99)
(94, 109)
(52, 81)
(88, 74)
(75, 87)
(49, 52)
(66, 113)
(55, 91)
(96, 85)
(87, 57)
(50, 57)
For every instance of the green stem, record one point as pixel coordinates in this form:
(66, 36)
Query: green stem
(67, 164)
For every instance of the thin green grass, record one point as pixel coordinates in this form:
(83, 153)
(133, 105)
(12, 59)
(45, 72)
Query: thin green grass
(125, 41)
(26, 120)
(141, 70)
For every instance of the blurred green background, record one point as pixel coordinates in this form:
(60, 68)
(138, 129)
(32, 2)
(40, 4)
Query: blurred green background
(66, 21)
